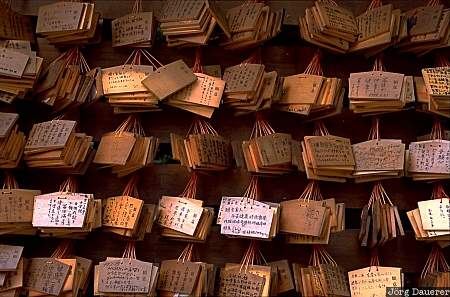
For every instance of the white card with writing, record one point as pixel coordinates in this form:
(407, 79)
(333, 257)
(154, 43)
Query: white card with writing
(7, 121)
(373, 281)
(431, 156)
(179, 214)
(51, 134)
(249, 218)
(125, 79)
(435, 214)
(10, 257)
(375, 85)
(63, 210)
(60, 16)
(12, 63)
(124, 276)
(379, 154)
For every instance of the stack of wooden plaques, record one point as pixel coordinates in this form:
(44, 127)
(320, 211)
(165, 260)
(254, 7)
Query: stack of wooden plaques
(66, 213)
(375, 273)
(202, 149)
(203, 96)
(127, 215)
(428, 28)
(12, 141)
(136, 29)
(435, 273)
(429, 222)
(268, 152)
(127, 149)
(323, 276)
(68, 23)
(191, 23)
(327, 157)
(184, 218)
(311, 94)
(379, 27)
(16, 208)
(123, 88)
(246, 217)
(12, 270)
(379, 91)
(251, 24)
(249, 278)
(168, 79)
(200, 278)
(14, 25)
(329, 26)
(67, 82)
(20, 69)
(136, 278)
(429, 160)
(249, 88)
(299, 227)
(380, 220)
(56, 145)
(378, 159)
(437, 84)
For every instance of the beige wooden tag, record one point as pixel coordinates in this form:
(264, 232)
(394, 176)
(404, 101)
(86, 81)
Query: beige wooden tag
(301, 217)
(169, 79)
(242, 78)
(330, 150)
(132, 28)
(275, 148)
(374, 22)
(9, 257)
(180, 10)
(301, 89)
(379, 154)
(115, 148)
(121, 212)
(170, 271)
(7, 121)
(337, 17)
(423, 20)
(125, 276)
(45, 275)
(373, 281)
(12, 63)
(60, 16)
(125, 79)
(14, 279)
(179, 214)
(334, 279)
(51, 134)
(245, 17)
(14, 26)
(16, 205)
(240, 284)
(285, 280)
(437, 80)
(375, 85)
(432, 156)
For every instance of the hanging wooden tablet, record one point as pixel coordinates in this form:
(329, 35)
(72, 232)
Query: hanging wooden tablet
(136, 29)
(184, 217)
(66, 213)
(203, 149)
(378, 159)
(284, 281)
(251, 24)
(328, 26)
(247, 217)
(380, 219)
(327, 157)
(322, 277)
(125, 276)
(68, 23)
(12, 141)
(429, 160)
(168, 79)
(430, 221)
(379, 91)
(428, 28)
(15, 26)
(123, 87)
(252, 277)
(128, 216)
(191, 23)
(203, 96)
(56, 145)
(436, 272)
(311, 94)
(12, 281)
(310, 219)
(20, 69)
(375, 279)
(248, 88)
(127, 149)
(67, 82)
(16, 208)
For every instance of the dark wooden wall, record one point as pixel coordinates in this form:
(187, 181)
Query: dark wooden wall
(286, 54)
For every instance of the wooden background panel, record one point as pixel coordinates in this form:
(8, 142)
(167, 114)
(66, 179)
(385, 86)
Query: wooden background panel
(288, 55)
